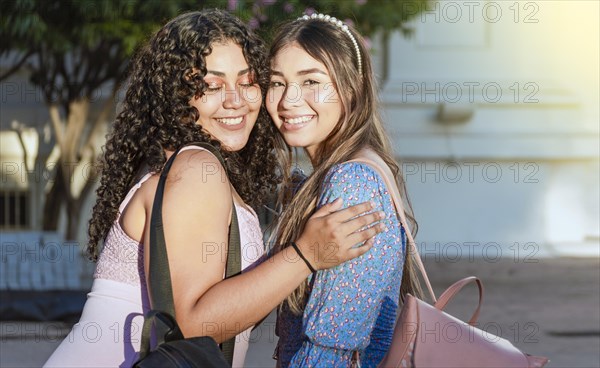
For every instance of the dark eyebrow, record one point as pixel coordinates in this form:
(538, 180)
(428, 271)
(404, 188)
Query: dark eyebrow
(301, 72)
(221, 74)
(311, 71)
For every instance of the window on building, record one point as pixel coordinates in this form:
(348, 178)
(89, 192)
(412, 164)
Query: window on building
(14, 210)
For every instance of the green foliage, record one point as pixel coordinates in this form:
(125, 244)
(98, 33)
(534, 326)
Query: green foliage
(62, 25)
(368, 16)
(73, 47)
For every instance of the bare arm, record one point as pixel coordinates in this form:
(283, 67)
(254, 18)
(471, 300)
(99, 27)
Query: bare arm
(196, 212)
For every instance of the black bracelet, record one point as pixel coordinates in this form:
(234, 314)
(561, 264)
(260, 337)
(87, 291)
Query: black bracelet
(310, 267)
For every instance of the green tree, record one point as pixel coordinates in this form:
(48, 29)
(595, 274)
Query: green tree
(75, 50)
(369, 16)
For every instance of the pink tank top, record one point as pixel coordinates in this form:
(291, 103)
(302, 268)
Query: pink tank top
(122, 258)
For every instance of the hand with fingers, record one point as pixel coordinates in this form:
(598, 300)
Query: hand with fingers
(331, 235)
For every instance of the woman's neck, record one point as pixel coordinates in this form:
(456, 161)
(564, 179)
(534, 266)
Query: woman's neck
(311, 152)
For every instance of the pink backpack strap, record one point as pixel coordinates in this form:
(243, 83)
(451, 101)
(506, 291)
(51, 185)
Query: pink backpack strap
(392, 189)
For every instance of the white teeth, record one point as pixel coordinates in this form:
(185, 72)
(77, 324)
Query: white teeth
(300, 120)
(231, 121)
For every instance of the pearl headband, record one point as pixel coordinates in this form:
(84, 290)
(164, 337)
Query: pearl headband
(342, 26)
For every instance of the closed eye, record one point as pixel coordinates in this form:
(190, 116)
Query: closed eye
(212, 88)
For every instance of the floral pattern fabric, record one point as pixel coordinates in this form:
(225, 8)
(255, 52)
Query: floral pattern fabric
(353, 306)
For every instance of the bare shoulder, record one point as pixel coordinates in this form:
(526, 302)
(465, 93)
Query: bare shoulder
(197, 186)
(196, 176)
(199, 166)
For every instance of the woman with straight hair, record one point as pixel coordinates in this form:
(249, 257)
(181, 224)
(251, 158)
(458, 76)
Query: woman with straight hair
(322, 97)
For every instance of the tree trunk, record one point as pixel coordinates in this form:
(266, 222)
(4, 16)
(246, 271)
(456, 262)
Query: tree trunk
(73, 218)
(78, 146)
(53, 202)
(67, 133)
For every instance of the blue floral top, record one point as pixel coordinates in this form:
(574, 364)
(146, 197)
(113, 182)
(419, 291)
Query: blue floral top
(352, 306)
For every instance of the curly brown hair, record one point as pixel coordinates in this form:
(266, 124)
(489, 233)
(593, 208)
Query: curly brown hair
(156, 116)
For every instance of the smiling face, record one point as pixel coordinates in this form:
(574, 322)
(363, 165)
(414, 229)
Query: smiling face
(302, 99)
(230, 105)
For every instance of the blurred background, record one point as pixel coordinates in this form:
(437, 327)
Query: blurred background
(492, 108)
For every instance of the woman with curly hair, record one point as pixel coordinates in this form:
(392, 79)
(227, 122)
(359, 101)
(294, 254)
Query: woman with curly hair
(322, 97)
(200, 78)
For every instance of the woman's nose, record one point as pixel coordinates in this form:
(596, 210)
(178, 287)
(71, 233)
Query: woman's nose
(292, 96)
(232, 99)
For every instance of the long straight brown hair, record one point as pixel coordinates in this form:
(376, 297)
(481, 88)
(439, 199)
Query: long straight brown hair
(359, 127)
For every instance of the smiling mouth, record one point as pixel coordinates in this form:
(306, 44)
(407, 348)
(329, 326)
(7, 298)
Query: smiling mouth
(298, 120)
(230, 121)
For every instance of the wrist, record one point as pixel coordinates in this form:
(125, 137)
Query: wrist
(291, 257)
(308, 249)
(306, 261)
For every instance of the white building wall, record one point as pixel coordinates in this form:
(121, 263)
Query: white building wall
(493, 109)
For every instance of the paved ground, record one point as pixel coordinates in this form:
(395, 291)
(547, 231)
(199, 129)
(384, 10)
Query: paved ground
(550, 308)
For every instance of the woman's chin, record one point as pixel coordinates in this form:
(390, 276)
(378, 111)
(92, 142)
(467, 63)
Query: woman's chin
(295, 142)
(231, 142)
(233, 146)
